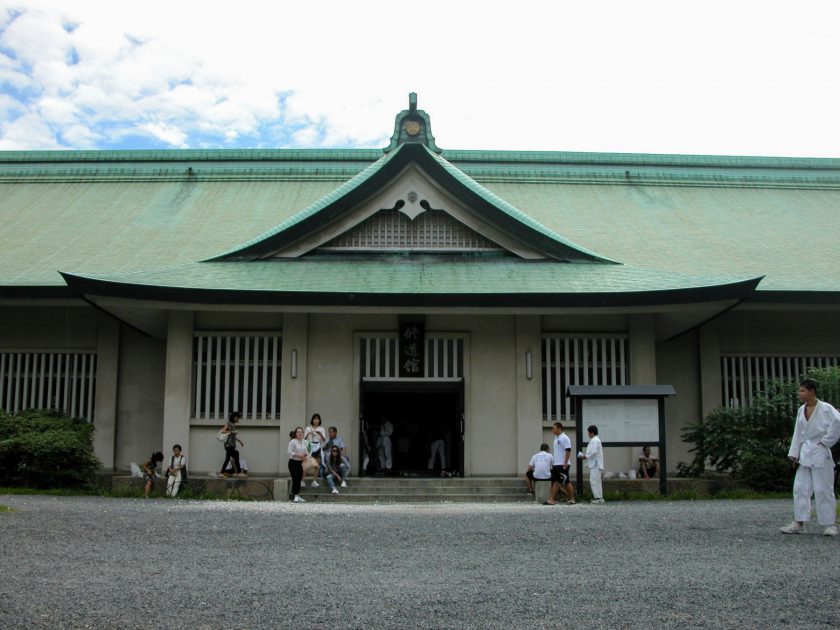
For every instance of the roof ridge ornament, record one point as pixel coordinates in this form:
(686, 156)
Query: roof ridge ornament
(412, 126)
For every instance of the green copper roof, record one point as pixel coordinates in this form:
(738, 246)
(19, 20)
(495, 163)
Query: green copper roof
(104, 212)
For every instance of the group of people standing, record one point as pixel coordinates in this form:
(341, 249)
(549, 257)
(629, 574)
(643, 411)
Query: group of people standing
(557, 466)
(320, 453)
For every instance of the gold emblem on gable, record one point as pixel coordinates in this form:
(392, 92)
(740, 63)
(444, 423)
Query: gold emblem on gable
(412, 127)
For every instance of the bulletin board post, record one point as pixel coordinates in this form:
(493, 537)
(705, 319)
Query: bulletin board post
(626, 415)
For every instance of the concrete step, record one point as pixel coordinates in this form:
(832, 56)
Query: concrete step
(414, 498)
(390, 489)
(435, 482)
(432, 490)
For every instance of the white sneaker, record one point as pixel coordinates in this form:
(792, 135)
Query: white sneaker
(597, 501)
(314, 483)
(831, 530)
(335, 491)
(299, 499)
(343, 484)
(795, 528)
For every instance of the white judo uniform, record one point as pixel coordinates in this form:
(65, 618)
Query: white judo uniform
(383, 445)
(811, 444)
(595, 462)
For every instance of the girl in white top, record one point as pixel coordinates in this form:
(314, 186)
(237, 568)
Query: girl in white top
(297, 453)
(316, 436)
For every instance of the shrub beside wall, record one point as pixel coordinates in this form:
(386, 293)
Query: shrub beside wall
(751, 442)
(41, 449)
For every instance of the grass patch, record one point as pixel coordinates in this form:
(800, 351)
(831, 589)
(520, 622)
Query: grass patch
(5, 508)
(61, 492)
(693, 495)
(748, 493)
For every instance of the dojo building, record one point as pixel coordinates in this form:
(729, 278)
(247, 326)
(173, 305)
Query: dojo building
(450, 291)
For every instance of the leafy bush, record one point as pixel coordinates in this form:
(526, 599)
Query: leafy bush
(42, 449)
(751, 442)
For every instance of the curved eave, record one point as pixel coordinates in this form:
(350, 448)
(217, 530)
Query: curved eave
(491, 209)
(95, 287)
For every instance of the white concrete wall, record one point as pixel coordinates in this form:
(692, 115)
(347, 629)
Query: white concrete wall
(205, 453)
(491, 446)
(678, 364)
(139, 398)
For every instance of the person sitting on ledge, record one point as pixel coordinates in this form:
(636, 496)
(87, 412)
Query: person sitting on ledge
(539, 468)
(648, 466)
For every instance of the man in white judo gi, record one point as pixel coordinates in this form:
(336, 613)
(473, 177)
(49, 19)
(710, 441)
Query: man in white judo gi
(817, 429)
(383, 445)
(594, 457)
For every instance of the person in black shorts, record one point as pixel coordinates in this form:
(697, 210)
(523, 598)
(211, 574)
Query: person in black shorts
(560, 470)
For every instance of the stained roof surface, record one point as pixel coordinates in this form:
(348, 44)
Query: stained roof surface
(105, 213)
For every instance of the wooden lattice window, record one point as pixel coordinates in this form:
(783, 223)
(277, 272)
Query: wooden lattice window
(579, 360)
(58, 381)
(236, 372)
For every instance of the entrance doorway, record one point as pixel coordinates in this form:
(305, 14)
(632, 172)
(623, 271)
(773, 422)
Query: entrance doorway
(421, 416)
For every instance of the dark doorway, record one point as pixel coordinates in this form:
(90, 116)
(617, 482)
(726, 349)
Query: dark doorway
(422, 416)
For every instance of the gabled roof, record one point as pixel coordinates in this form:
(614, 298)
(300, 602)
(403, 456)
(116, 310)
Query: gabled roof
(338, 203)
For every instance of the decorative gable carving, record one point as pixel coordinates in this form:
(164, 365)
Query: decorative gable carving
(397, 230)
(411, 214)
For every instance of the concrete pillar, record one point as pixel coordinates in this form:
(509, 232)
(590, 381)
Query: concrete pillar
(293, 385)
(177, 387)
(710, 372)
(642, 331)
(107, 372)
(528, 390)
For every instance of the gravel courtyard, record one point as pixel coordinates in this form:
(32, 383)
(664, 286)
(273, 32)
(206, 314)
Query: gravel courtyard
(79, 562)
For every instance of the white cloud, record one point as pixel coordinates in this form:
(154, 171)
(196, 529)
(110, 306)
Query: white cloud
(26, 132)
(82, 137)
(307, 137)
(650, 76)
(166, 133)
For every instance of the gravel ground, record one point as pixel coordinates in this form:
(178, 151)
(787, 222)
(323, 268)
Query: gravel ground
(81, 562)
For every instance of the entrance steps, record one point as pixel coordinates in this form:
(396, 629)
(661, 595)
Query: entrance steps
(414, 490)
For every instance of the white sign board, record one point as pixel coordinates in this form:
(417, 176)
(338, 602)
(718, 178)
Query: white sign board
(623, 419)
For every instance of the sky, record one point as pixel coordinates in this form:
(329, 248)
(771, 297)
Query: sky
(736, 77)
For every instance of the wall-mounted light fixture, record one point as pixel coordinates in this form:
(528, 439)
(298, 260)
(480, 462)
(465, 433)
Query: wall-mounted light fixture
(529, 365)
(293, 366)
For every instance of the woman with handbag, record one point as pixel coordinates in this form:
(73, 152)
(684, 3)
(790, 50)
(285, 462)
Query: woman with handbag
(297, 454)
(229, 432)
